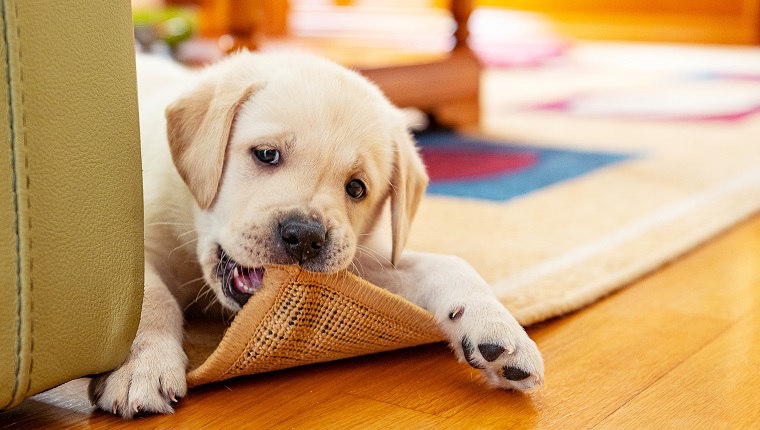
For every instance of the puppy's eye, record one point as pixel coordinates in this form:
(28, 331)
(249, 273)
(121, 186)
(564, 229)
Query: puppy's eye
(356, 188)
(267, 155)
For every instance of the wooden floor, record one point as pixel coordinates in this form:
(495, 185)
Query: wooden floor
(677, 349)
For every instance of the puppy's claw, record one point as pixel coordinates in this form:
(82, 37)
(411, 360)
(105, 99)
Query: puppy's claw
(143, 384)
(456, 313)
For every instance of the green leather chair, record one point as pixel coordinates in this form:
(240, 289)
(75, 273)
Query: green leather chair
(71, 259)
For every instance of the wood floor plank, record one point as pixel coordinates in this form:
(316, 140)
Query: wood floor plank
(595, 363)
(718, 280)
(334, 414)
(716, 388)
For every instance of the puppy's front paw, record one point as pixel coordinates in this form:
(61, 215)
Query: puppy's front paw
(487, 336)
(152, 377)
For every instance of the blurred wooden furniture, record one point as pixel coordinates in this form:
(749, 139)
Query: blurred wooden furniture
(447, 88)
(696, 21)
(241, 19)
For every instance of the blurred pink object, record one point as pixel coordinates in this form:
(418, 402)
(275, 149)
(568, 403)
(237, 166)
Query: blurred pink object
(506, 38)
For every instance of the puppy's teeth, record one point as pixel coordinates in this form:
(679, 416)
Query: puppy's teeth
(242, 285)
(236, 272)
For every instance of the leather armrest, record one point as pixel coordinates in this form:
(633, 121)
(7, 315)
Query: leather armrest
(71, 258)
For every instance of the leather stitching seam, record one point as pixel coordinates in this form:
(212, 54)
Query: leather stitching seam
(14, 187)
(28, 191)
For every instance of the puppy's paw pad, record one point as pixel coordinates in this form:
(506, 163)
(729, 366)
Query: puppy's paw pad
(469, 354)
(489, 339)
(512, 373)
(490, 351)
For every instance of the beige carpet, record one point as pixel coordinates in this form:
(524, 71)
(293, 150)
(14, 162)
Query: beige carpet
(688, 118)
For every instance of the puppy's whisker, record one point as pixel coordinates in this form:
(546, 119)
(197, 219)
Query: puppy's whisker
(385, 264)
(211, 302)
(191, 281)
(355, 268)
(168, 223)
(375, 255)
(186, 233)
(189, 242)
(366, 234)
(206, 292)
(203, 292)
(229, 317)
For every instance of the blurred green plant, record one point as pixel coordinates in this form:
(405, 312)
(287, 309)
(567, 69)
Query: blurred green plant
(173, 25)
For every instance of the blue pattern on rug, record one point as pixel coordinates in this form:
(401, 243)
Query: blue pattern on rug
(534, 167)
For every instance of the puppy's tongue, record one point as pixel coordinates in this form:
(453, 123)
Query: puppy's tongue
(247, 281)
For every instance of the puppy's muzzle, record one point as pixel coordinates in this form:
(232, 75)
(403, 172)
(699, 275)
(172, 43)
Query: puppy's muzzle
(302, 238)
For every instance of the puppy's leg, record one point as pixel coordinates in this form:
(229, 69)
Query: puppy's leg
(153, 375)
(480, 329)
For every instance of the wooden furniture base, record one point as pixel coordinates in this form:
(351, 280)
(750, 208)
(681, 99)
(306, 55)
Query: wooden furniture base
(447, 89)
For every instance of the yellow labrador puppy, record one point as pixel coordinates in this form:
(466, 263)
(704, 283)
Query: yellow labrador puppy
(286, 158)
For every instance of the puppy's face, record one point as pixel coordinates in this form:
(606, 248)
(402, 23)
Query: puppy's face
(310, 155)
(307, 167)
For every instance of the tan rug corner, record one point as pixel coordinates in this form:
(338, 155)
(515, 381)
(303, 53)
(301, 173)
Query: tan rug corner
(301, 318)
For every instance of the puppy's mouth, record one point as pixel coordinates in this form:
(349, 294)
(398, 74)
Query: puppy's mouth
(239, 283)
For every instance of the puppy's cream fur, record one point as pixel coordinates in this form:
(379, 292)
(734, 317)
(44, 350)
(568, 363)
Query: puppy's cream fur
(207, 197)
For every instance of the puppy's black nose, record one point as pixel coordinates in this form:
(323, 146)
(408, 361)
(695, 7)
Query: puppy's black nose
(303, 238)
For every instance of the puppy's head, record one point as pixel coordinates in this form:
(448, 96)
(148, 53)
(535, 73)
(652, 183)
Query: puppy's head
(290, 159)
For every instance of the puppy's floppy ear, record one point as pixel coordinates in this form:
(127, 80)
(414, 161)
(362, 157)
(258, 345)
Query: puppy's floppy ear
(198, 129)
(408, 183)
